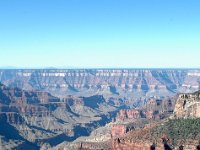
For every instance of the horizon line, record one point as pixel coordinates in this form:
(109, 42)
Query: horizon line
(94, 68)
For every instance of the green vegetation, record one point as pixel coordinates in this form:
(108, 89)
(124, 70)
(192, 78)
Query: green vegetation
(179, 130)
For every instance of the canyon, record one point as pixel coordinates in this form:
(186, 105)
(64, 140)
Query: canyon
(37, 117)
(173, 132)
(93, 108)
(131, 85)
(115, 81)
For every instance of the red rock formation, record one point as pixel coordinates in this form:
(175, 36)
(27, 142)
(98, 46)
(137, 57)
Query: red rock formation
(129, 114)
(118, 130)
(133, 114)
(122, 114)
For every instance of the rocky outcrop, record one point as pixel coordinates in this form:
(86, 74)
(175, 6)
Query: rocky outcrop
(129, 114)
(153, 109)
(119, 130)
(157, 134)
(188, 105)
(129, 119)
(180, 132)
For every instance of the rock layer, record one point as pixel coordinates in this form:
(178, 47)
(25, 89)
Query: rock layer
(188, 105)
(115, 81)
(38, 117)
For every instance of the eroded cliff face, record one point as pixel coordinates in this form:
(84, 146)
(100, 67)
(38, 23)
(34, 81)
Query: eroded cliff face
(119, 130)
(182, 130)
(129, 114)
(153, 109)
(11, 118)
(38, 117)
(114, 81)
(188, 105)
(96, 94)
(149, 132)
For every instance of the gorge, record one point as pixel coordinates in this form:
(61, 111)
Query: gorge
(81, 108)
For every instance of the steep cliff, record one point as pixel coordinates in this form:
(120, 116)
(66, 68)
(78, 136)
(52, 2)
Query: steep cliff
(180, 132)
(38, 117)
(110, 81)
(188, 105)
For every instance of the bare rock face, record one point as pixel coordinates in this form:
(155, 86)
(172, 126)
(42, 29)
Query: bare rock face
(153, 109)
(158, 134)
(119, 130)
(129, 114)
(130, 87)
(188, 106)
(11, 118)
(38, 117)
(113, 81)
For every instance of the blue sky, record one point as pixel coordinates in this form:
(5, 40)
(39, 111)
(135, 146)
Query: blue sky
(100, 33)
